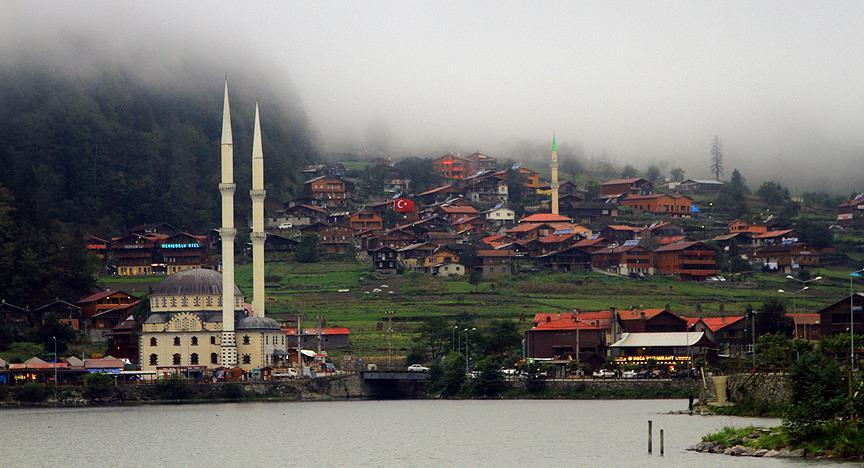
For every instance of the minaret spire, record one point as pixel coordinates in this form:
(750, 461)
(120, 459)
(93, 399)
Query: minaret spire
(227, 232)
(258, 235)
(554, 170)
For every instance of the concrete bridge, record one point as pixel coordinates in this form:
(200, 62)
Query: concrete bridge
(394, 384)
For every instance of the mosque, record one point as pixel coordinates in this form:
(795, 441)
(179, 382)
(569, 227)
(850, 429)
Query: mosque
(197, 318)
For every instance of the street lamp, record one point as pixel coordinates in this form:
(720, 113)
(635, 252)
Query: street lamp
(853, 275)
(55, 366)
(453, 343)
(793, 294)
(466, 347)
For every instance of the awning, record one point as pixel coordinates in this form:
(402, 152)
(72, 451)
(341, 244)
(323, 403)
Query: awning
(659, 340)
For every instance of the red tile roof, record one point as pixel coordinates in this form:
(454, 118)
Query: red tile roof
(622, 181)
(770, 234)
(636, 314)
(805, 319)
(677, 246)
(565, 324)
(719, 323)
(671, 239)
(99, 296)
(545, 218)
(622, 227)
(494, 253)
(458, 209)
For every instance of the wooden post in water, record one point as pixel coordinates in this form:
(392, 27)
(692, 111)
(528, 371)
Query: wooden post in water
(661, 442)
(649, 436)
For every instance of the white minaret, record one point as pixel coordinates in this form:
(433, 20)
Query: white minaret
(258, 236)
(227, 233)
(554, 170)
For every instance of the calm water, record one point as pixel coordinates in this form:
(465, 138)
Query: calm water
(368, 433)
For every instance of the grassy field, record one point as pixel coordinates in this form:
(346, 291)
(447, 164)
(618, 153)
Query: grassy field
(312, 290)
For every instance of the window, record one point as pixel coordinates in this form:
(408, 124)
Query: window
(176, 359)
(152, 341)
(194, 341)
(154, 359)
(184, 301)
(209, 301)
(193, 359)
(212, 340)
(214, 358)
(246, 339)
(247, 359)
(176, 341)
(266, 339)
(197, 301)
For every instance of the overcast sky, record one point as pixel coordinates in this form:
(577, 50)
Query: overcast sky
(782, 83)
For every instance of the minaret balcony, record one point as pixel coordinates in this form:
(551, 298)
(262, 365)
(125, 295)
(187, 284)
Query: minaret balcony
(227, 189)
(227, 234)
(258, 237)
(258, 195)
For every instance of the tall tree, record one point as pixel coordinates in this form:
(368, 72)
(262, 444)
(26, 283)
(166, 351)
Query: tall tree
(653, 173)
(677, 174)
(717, 157)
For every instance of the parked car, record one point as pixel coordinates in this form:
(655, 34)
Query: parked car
(629, 374)
(684, 374)
(659, 374)
(604, 374)
(643, 374)
(286, 226)
(417, 368)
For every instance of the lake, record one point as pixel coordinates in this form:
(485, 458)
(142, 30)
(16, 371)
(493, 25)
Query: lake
(500, 433)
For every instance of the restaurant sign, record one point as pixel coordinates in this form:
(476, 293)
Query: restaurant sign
(659, 359)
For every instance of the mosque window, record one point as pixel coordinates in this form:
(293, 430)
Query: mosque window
(173, 302)
(176, 359)
(214, 358)
(194, 341)
(219, 301)
(212, 340)
(266, 339)
(152, 341)
(193, 359)
(247, 359)
(164, 302)
(184, 301)
(209, 301)
(154, 359)
(176, 341)
(246, 339)
(197, 301)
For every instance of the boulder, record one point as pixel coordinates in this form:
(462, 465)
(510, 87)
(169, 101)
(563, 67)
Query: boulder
(771, 453)
(719, 448)
(760, 453)
(740, 450)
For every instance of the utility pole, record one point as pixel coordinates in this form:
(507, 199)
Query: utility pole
(55, 366)
(299, 354)
(319, 334)
(389, 314)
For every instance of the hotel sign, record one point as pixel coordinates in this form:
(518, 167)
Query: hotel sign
(191, 245)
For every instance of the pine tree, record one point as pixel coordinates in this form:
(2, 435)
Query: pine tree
(717, 157)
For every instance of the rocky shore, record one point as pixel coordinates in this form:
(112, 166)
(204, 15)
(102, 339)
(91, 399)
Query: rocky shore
(744, 451)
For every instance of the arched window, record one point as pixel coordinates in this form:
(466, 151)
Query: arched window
(176, 341)
(194, 341)
(176, 359)
(246, 339)
(154, 359)
(214, 358)
(193, 359)
(247, 359)
(152, 341)
(212, 340)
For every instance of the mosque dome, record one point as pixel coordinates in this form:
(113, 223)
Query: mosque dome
(257, 323)
(194, 282)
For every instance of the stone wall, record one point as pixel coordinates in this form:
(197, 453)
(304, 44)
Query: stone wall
(767, 388)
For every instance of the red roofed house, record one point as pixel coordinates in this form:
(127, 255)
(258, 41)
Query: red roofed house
(651, 321)
(618, 233)
(624, 260)
(104, 300)
(567, 337)
(851, 213)
(545, 218)
(365, 219)
(630, 186)
(787, 257)
(660, 204)
(807, 326)
(729, 334)
(775, 237)
(457, 167)
(687, 260)
(454, 212)
(743, 226)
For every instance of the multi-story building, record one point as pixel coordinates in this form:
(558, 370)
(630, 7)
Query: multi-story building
(851, 213)
(629, 186)
(686, 260)
(328, 191)
(660, 204)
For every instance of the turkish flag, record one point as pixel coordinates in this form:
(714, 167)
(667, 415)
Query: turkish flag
(403, 205)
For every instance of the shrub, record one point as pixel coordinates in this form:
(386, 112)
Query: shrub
(31, 393)
(233, 391)
(173, 388)
(98, 387)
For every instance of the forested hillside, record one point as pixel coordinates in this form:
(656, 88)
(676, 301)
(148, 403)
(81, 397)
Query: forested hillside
(112, 150)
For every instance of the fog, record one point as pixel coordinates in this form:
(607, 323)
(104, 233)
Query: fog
(628, 82)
